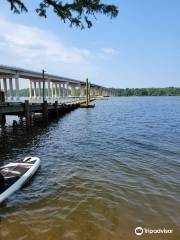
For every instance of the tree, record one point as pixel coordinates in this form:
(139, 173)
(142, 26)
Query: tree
(75, 13)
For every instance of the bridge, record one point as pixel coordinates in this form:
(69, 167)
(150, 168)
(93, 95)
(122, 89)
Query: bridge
(47, 94)
(55, 87)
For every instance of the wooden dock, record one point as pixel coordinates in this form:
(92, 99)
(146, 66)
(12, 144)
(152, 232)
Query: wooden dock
(28, 110)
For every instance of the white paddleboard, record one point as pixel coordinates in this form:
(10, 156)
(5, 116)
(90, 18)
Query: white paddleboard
(16, 175)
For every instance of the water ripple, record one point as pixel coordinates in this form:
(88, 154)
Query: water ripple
(104, 171)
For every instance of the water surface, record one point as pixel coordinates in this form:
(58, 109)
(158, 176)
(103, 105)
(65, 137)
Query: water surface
(104, 171)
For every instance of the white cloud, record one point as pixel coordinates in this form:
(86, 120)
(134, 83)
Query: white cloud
(32, 47)
(37, 49)
(110, 51)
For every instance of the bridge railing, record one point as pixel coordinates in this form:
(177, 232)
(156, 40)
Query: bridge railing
(49, 100)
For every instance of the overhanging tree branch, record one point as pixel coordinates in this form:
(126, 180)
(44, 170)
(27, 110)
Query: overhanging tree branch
(17, 6)
(77, 13)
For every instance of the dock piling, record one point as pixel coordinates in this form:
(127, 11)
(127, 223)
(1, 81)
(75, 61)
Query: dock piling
(56, 108)
(27, 113)
(45, 110)
(87, 92)
(2, 119)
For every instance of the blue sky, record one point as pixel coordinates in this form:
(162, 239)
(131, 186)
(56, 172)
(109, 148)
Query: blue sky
(140, 48)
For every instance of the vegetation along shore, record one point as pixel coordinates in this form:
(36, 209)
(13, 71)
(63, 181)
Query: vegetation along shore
(168, 91)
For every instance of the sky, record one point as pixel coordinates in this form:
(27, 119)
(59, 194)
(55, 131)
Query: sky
(140, 48)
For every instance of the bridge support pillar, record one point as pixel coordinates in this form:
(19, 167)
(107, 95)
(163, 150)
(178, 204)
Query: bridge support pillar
(63, 89)
(35, 90)
(30, 89)
(39, 90)
(60, 90)
(67, 89)
(49, 89)
(96, 92)
(73, 91)
(56, 90)
(11, 88)
(82, 91)
(17, 86)
(91, 92)
(5, 87)
(52, 89)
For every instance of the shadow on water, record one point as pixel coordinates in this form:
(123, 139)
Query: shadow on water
(15, 140)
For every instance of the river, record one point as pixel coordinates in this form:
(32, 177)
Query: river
(104, 171)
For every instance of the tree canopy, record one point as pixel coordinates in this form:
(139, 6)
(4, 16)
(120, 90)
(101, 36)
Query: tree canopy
(168, 91)
(76, 13)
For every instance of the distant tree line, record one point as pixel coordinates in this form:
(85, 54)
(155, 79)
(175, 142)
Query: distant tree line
(168, 91)
(24, 92)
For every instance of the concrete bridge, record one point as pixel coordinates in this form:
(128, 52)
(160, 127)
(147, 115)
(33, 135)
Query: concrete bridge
(55, 87)
(48, 95)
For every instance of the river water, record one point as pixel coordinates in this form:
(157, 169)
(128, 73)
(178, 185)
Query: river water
(104, 171)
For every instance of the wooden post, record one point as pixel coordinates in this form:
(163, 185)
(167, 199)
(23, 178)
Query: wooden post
(43, 72)
(56, 108)
(2, 119)
(45, 110)
(87, 92)
(27, 113)
(2, 116)
(88, 97)
(2, 97)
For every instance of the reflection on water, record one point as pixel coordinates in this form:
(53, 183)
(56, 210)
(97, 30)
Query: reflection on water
(104, 172)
